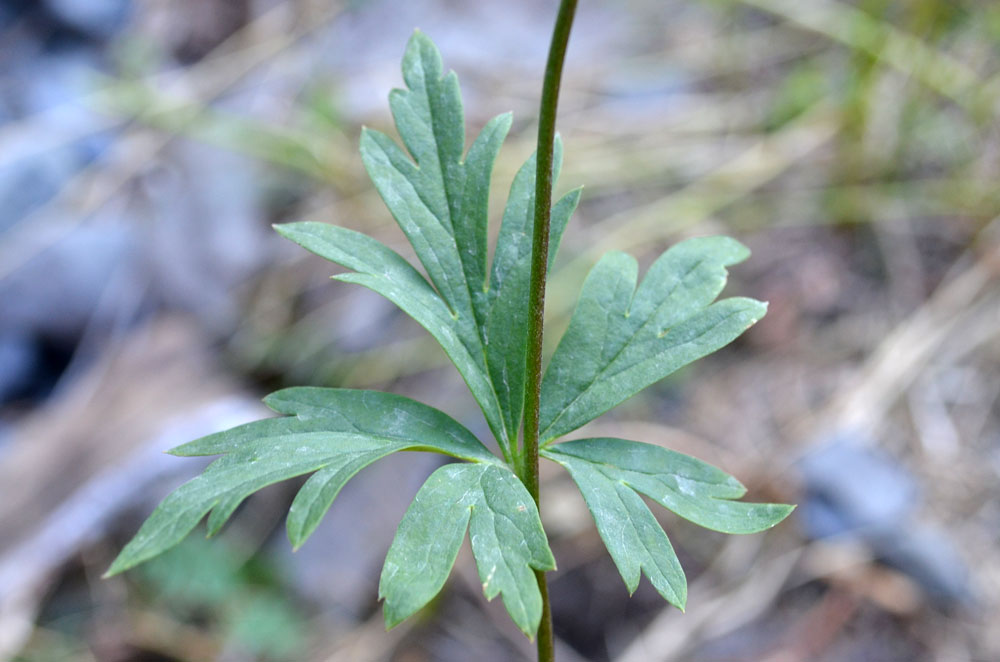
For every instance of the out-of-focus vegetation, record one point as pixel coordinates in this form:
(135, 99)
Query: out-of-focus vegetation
(852, 145)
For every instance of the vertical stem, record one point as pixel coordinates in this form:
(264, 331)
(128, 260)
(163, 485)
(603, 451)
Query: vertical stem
(540, 240)
(536, 298)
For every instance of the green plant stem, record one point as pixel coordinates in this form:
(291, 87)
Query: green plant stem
(536, 298)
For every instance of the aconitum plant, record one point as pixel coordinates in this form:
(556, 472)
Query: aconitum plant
(487, 316)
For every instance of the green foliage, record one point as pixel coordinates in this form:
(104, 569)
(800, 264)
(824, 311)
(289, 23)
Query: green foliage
(620, 340)
(506, 534)
(800, 90)
(609, 472)
(239, 601)
(332, 432)
(265, 625)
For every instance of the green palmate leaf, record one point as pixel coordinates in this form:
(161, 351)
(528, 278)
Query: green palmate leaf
(506, 328)
(506, 534)
(622, 339)
(610, 471)
(333, 432)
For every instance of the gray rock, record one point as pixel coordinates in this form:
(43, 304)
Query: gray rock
(28, 184)
(99, 19)
(59, 135)
(18, 362)
(851, 488)
(925, 554)
(854, 492)
(207, 233)
(60, 291)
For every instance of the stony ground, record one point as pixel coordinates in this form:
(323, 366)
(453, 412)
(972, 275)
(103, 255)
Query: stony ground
(145, 147)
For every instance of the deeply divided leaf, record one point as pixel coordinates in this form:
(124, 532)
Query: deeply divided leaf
(622, 339)
(610, 471)
(333, 432)
(506, 534)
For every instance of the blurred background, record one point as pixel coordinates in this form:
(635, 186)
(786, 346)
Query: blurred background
(147, 145)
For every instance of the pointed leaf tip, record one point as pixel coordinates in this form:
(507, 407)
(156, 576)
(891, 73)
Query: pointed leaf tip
(612, 472)
(439, 200)
(329, 433)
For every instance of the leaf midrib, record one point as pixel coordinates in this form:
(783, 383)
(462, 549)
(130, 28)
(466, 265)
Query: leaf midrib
(419, 230)
(503, 557)
(447, 190)
(603, 467)
(614, 481)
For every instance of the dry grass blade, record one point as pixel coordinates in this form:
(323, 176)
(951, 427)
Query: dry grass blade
(856, 29)
(967, 300)
(697, 202)
(720, 610)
